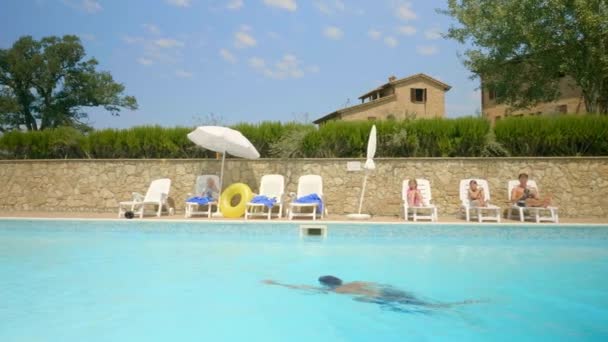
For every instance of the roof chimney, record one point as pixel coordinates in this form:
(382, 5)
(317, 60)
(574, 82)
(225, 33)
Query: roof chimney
(392, 78)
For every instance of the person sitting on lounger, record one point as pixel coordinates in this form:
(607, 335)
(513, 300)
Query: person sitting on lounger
(210, 190)
(387, 296)
(414, 198)
(525, 196)
(477, 197)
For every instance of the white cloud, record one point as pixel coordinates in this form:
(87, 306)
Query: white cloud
(407, 30)
(314, 69)
(257, 63)
(427, 50)
(179, 3)
(287, 67)
(88, 37)
(235, 4)
(157, 50)
(228, 56)
(151, 28)
(274, 35)
(243, 39)
(145, 61)
(89, 6)
(374, 34)
(433, 34)
(333, 32)
(168, 43)
(391, 42)
(289, 5)
(405, 12)
(183, 73)
(329, 6)
(131, 39)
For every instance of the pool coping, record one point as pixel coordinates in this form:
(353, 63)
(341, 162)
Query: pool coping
(527, 224)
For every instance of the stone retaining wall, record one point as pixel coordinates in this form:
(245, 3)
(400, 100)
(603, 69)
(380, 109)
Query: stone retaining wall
(579, 186)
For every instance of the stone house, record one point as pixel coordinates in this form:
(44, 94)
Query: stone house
(570, 101)
(416, 96)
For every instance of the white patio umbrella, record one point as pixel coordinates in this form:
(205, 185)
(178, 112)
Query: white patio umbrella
(369, 166)
(223, 140)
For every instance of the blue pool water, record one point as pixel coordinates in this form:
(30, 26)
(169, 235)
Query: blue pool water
(130, 281)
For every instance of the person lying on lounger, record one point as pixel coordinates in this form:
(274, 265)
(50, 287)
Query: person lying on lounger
(477, 197)
(525, 196)
(387, 296)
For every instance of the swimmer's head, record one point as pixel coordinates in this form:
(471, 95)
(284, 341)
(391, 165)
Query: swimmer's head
(330, 281)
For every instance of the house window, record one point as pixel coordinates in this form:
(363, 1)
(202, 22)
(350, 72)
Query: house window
(371, 118)
(562, 109)
(418, 95)
(492, 94)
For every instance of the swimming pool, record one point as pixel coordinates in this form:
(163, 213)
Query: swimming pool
(130, 280)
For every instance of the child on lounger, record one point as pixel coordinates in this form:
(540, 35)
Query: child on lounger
(477, 197)
(414, 198)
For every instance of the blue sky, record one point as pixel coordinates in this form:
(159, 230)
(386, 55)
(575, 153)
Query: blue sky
(249, 60)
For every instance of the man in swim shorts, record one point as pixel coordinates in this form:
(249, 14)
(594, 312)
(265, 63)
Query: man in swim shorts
(385, 295)
(525, 196)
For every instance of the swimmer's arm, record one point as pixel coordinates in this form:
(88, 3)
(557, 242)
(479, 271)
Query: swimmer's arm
(295, 287)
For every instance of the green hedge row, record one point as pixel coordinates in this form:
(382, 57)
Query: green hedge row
(463, 137)
(567, 135)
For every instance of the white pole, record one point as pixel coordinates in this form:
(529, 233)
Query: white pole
(363, 191)
(218, 212)
(222, 171)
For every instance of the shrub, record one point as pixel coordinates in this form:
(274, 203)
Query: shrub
(584, 135)
(565, 135)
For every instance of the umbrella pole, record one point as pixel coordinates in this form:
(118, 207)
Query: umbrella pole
(221, 181)
(222, 171)
(363, 191)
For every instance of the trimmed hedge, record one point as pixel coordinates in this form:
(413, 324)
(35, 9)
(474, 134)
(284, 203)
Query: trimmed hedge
(566, 135)
(585, 135)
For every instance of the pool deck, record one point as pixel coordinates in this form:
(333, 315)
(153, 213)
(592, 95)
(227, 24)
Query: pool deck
(328, 219)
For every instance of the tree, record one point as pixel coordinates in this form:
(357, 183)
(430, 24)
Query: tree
(47, 83)
(521, 48)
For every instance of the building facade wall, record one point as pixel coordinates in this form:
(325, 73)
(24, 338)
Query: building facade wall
(570, 101)
(579, 186)
(402, 107)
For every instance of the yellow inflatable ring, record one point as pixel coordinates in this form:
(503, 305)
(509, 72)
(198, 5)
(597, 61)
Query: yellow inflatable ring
(236, 189)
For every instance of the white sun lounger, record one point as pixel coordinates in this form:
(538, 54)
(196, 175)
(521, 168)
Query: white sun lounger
(425, 190)
(307, 185)
(192, 208)
(271, 186)
(157, 195)
(533, 213)
(488, 213)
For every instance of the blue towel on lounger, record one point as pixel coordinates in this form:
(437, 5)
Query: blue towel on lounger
(200, 200)
(312, 198)
(265, 200)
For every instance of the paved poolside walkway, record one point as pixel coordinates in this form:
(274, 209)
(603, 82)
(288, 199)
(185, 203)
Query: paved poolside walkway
(330, 218)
